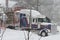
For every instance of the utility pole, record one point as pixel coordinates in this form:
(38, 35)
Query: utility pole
(37, 5)
(30, 22)
(6, 6)
(6, 9)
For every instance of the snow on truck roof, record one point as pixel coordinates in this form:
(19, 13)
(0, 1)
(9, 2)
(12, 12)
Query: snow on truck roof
(34, 13)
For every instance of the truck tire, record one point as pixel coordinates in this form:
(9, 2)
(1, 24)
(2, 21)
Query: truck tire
(43, 33)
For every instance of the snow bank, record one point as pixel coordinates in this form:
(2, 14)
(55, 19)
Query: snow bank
(18, 35)
(53, 37)
(21, 35)
(58, 28)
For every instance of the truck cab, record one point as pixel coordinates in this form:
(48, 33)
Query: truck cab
(34, 20)
(42, 22)
(37, 19)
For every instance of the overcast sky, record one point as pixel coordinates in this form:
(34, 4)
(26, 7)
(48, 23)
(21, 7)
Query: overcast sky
(11, 3)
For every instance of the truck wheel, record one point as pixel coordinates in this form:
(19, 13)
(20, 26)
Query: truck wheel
(43, 33)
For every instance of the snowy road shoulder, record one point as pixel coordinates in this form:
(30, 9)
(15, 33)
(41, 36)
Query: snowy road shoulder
(22, 35)
(53, 37)
(19, 35)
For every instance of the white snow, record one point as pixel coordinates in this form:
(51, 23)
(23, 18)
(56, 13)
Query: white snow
(53, 37)
(58, 28)
(19, 35)
(10, 3)
(34, 13)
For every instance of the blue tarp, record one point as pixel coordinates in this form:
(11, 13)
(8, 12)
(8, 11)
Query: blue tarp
(23, 20)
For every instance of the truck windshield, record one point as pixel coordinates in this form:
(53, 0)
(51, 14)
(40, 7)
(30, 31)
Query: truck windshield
(44, 20)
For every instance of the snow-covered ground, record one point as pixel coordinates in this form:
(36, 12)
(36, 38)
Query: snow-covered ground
(10, 34)
(21, 35)
(58, 28)
(50, 37)
(53, 37)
